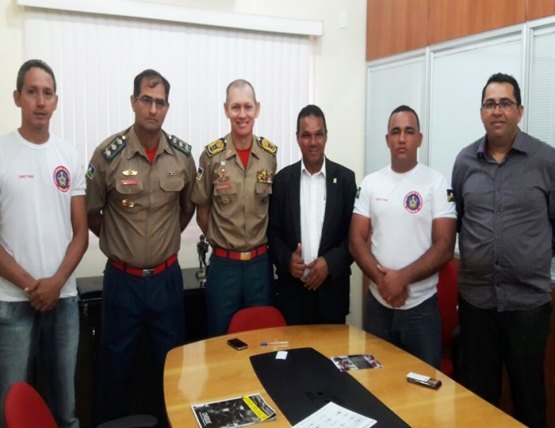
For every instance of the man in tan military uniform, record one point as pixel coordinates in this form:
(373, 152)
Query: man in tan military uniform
(139, 185)
(232, 191)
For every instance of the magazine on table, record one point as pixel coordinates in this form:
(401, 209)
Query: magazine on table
(233, 412)
(355, 362)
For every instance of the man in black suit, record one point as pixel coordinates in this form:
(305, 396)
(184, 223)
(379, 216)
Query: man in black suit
(310, 212)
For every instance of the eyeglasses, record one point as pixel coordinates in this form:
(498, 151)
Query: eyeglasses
(503, 104)
(147, 101)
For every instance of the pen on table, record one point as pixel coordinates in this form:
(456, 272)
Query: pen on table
(279, 342)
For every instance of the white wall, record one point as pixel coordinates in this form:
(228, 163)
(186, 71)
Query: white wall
(338, 86)
(11, 57)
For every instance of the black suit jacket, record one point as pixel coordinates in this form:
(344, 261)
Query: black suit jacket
(284, 233)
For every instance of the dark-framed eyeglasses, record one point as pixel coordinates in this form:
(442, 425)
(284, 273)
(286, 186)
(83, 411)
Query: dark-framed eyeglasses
(503, 104)
(148, 101)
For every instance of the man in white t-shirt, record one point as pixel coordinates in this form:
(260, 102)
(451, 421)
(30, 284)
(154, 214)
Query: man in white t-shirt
(407, 210)
(43, 235)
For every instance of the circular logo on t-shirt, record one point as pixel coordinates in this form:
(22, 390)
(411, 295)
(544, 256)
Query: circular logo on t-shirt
(413, 202)
(62, 179)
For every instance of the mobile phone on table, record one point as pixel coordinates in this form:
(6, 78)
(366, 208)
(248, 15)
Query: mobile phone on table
(428, 382)
(237, 344)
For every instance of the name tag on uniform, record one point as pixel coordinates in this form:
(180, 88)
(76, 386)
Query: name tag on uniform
(129, 182)
(223, 186)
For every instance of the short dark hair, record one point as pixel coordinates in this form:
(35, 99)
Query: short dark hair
(27, 65)
(311, 110)
(400, 109)
(154, 79)
(239, 83)
(504, 78)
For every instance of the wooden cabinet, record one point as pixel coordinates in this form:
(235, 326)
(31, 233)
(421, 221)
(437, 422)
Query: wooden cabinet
(394, 26)
(452, 19)
(540, 8)
(397, 26)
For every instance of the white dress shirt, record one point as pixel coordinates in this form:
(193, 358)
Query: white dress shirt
(313, 207)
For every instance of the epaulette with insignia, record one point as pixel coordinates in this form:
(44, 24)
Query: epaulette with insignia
(178, 144)
(215, 147)
(114, 148)
(266, 145)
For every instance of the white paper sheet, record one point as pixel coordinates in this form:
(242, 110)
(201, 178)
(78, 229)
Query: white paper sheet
(335, 416)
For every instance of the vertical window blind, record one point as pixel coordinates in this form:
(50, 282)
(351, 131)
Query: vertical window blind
(96, 57)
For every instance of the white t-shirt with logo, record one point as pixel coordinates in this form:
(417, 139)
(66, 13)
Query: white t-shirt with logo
(401, 208)
(37, 182)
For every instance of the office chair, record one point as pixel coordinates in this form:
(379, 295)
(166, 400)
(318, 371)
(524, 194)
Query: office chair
(447, 293)
(25, 408)
(254, 318)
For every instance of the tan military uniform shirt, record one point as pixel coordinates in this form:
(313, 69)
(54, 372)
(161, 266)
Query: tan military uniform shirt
(140, 201)
(238, 198)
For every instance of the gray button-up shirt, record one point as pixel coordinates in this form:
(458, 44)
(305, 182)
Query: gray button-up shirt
(506, 219)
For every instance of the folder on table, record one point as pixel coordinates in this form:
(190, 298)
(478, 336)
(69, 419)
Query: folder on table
(306, 380)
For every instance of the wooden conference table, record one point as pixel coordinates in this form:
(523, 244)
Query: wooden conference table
(210, 370)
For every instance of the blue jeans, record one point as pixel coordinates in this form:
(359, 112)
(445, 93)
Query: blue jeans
(131, 305)
(232, 285)
(47, 341)
(416, 330)
(516, 339)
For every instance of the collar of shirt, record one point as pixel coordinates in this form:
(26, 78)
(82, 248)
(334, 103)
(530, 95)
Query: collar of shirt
(519, 145)
(231, 151)
(322, 170)
(135, 145)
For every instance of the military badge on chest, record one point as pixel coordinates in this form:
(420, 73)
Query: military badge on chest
(264, 176)
(130, 172)
(128, 181)
(130, 184)
(222, 181)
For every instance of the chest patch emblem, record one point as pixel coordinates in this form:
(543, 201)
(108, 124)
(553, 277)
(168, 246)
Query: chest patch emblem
(264, 176)
(222, 173)
(62, 178)
(413, 202)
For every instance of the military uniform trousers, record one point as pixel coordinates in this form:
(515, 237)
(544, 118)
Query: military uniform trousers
(235, 284)
(131, 304)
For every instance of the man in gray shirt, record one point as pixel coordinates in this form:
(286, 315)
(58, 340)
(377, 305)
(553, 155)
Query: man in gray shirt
(504, 186)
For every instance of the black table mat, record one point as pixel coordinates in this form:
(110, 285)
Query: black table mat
(307, 380)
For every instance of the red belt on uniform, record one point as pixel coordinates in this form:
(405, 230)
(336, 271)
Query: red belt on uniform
(144, 273)
(244, 256)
